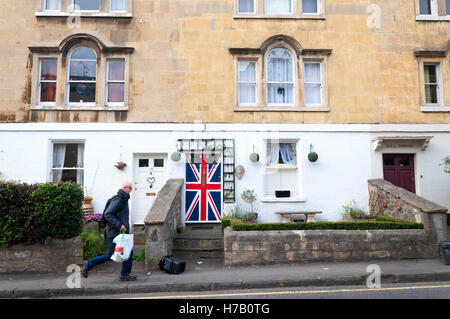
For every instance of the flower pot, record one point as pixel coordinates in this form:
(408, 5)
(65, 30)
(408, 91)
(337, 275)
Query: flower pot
(254, 157)
(176, 156)
(313, 157)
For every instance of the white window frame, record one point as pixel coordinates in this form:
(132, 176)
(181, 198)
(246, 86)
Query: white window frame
(44, 6)
(239, 82)
(315, 83)
(74, 9)
(439, 91)
(68, 81)
(277, 13)
(312, 13)
(266, 78)
(119, 11)
(239, 12)
(52, 145)
(433, 9)
(115, 81)
(46, 81)
(296, 194)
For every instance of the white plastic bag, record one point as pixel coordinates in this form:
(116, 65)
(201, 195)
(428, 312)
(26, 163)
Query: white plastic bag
(124, 246)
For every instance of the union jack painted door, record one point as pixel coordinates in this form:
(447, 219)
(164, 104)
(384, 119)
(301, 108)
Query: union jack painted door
(203, 200)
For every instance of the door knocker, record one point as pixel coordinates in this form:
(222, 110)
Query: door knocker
(150, 179)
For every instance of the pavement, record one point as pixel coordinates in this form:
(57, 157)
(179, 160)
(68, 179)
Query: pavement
(210, 275)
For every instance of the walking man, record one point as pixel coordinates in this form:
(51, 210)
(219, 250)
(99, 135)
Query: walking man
(117, 220)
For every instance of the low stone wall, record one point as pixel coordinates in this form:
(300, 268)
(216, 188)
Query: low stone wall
(51, 257)
(386, 199)
(282, 247)
(161, 223)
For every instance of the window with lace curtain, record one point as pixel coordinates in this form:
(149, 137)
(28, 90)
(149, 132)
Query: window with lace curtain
(279, 9)
(68, 162)
(247, 82)
(280, 77)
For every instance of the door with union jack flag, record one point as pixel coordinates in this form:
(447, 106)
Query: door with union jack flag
(203, 200)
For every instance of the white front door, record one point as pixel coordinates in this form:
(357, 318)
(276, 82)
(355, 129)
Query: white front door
(150, 175)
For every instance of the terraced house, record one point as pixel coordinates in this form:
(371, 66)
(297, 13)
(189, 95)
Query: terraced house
(197, 89)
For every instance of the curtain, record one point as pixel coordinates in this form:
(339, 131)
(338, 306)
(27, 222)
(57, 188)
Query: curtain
(48, 73)
(274, 153)
(286, 153)
(246, 6)
(247, 82)
(51, 5)
(280, 71)
(313, 92)
(116, 86)
(59, 154)
(309, 6)
(80, 164)
(277, 6)
(118, 5)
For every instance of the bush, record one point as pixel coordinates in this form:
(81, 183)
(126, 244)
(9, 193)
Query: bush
(230, 222)
(92, 244)
(380, 223)
(140, 257)
(33, 213)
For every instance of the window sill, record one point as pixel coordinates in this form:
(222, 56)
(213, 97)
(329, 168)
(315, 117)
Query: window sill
(78, 108)
(273, 199)
(280, 16)
(282, 167)
(282, 109)
(82, 14)
(432, 18)
(435, 108)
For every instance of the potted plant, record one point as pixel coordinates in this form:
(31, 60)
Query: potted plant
(87, 200)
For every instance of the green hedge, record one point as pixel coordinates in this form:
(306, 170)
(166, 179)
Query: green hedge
(380, 223)
(32, 213)
(230, 222)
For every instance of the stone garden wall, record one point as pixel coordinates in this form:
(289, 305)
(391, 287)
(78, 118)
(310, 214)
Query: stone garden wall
(51, 257)
(161, 223)
(386, 199)
(294, 246)
(297, 246)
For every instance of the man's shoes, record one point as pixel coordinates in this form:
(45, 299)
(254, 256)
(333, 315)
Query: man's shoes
(127, 278)
(84, 271)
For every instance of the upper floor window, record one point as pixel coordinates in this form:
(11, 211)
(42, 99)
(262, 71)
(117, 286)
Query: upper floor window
(86, 5)
(313, 83)
(278, 6)
(433, 10)
(115, 82)
(280, 78)
(118, 6)
(247, 82)
(246, 6)
(87, 74)
(432, 82)
(47, 81)
(280, 75)
(86, 8)
(279, 9)
(51, 5)
(82, 76)
(310, 6)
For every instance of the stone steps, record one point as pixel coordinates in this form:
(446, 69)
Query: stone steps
(199, 241)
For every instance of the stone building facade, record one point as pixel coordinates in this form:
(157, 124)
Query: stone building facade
(134, 80)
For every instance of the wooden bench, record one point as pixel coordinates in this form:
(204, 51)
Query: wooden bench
(286, 216)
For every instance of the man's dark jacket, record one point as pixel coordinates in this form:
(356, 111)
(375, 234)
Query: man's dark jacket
(117, 214)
